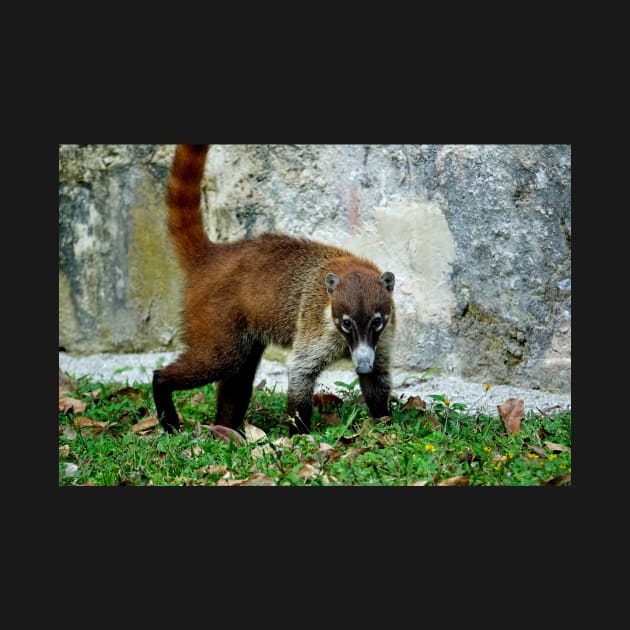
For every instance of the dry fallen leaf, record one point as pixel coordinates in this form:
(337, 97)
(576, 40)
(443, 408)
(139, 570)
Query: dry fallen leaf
(561, 480)
(253, 433)
(332, 419)
(82, 421)
(198, 399)
(147, 423)
(66, 384)
(536, 449)
(66, 404)
(306, 471)
(226, 434)
(257, 479)
(458, 480)
(414, 402)
(353, 453)
(326, 402)
(433, 422)
(97, 426)
(552, 446)
(212, 469)
(283, 442)
(512, 411)
(125, 392)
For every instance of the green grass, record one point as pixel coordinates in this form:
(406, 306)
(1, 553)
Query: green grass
(444, 444)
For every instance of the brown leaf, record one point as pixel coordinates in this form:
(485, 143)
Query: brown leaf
(433, 422)
(253, 433)
(66, 404)
(81, 421)
(326, 402)
(125, 392)
(331, 419)
(66, 384)
(257, 479)
(512, 411)
(536, 449)
(259, 451)
(97, 426)
(329, 452)
(147, 423)
(458, 480)
(212, 469)
(552, 446)
(306, 471)
(353, 453)
(415, 402)
(262, 384)
(348, 439)
(561, 480)
(226, 434)
(283, 442)
(198, 399)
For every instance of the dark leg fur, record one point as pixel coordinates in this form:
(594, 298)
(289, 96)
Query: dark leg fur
(186, 373)
(235, 391)
(302, 377)
(376, 388)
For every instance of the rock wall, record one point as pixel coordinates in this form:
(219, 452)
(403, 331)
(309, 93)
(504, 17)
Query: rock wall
(479, 237)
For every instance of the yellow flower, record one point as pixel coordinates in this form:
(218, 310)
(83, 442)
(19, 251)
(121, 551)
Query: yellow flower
(447, 402)
(532, 455)
(487, 386)
(552, 457)
(429, 447)
(498, 467)
(487, 449)
(510, 455)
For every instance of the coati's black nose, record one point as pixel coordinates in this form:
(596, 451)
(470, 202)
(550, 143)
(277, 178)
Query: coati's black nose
(364, 368)
(363, 359)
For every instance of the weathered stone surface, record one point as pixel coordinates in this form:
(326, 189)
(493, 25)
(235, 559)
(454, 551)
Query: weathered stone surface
(479, 237)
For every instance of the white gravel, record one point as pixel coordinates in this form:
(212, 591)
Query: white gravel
(138, 368)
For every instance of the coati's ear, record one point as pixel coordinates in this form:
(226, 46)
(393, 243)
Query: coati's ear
(388, 279)
(332, 282)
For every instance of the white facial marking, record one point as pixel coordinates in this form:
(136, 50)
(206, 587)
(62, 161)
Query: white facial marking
(346, 323)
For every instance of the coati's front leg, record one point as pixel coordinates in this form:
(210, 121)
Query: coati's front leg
(376, 386)
(308, 360)
(300, 399)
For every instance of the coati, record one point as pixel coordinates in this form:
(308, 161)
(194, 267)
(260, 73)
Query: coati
(243, 295)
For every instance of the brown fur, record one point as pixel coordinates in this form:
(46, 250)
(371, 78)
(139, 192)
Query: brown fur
(241, 296)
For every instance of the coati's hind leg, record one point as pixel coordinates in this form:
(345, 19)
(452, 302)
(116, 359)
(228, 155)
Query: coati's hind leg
(185, 372)
(234, 391)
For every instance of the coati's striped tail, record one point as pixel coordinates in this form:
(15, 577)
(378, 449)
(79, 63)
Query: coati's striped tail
(183, 200)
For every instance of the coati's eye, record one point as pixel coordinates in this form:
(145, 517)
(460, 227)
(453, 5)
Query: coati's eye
(377, 322)
(346, 324)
